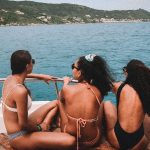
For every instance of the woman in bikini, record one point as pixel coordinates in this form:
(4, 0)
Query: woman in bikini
(125, 123)
(16, 101)
(80, 104)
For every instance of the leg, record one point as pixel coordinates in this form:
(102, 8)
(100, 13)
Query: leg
(45, 124)
(44, 140)
(40, 115)
(142, 145)
(110, 114)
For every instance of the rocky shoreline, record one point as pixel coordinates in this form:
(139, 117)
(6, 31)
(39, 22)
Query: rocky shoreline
(105, 21)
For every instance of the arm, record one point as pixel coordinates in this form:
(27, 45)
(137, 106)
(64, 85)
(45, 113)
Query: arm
(65, 85)
(44, 77)
(62, 111)
(61, 96)
(66, 81)
(21, 104)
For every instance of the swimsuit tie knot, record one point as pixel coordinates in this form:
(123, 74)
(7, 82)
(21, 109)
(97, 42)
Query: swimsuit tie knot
(82, 122)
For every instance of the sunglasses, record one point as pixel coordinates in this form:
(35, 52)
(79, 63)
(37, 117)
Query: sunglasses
(124, 69)
(33, 61)
(73, 66)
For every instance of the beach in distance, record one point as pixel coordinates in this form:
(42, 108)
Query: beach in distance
(56, 47)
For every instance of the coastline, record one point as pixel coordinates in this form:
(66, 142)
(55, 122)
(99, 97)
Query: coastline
(72, 23)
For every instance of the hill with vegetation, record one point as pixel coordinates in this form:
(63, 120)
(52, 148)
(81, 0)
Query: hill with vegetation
(28, 12)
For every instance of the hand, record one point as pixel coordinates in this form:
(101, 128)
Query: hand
(45, 126)
(66, 80)
(46, 78)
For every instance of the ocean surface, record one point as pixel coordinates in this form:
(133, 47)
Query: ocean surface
(56, 47)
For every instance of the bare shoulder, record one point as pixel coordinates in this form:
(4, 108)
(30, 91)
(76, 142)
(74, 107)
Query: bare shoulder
(65, 92)
(69, 87)
(116, 86)
(97, 91)
(68, 90)
(20, 92)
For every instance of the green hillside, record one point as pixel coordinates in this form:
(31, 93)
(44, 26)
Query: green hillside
(28, 12)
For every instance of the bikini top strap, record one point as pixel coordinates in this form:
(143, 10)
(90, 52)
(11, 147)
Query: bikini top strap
(98, 100)
(13, 88)
(119, 92)
(4, 99)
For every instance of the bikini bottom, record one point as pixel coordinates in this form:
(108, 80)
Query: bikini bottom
(91, 142)
(86, 143)
(17, 134)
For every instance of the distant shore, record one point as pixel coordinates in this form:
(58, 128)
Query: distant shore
(101, 21)
(23, 13)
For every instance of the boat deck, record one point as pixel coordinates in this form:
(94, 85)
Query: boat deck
(4, 143)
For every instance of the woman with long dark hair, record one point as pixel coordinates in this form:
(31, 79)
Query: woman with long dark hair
(16, 100)
(80, 104)
(125, 128)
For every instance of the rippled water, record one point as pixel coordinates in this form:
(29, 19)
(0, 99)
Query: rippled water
(56, 47)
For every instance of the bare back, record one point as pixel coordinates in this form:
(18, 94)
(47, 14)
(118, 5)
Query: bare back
(80, 102)
(10, 99)
(130, 110)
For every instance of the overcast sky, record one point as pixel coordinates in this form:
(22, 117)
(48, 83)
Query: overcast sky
(105, 4)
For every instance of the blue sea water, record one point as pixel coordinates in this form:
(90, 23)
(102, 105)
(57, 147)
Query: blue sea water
(56, 47)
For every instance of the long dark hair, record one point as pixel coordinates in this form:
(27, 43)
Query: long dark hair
(19, 60)
(139, 78)
(96, 73)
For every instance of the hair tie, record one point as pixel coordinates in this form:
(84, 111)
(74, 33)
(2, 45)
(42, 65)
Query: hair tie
(90, 57)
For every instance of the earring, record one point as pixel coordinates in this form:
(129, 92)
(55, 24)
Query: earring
(79, 74)
(27, 68)
(91, 81)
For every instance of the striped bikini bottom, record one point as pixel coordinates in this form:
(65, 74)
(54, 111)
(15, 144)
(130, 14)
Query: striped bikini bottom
(17, 134)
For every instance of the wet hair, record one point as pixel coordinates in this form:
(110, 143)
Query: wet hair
(96, 73)
(139, 78)
(19, 60)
